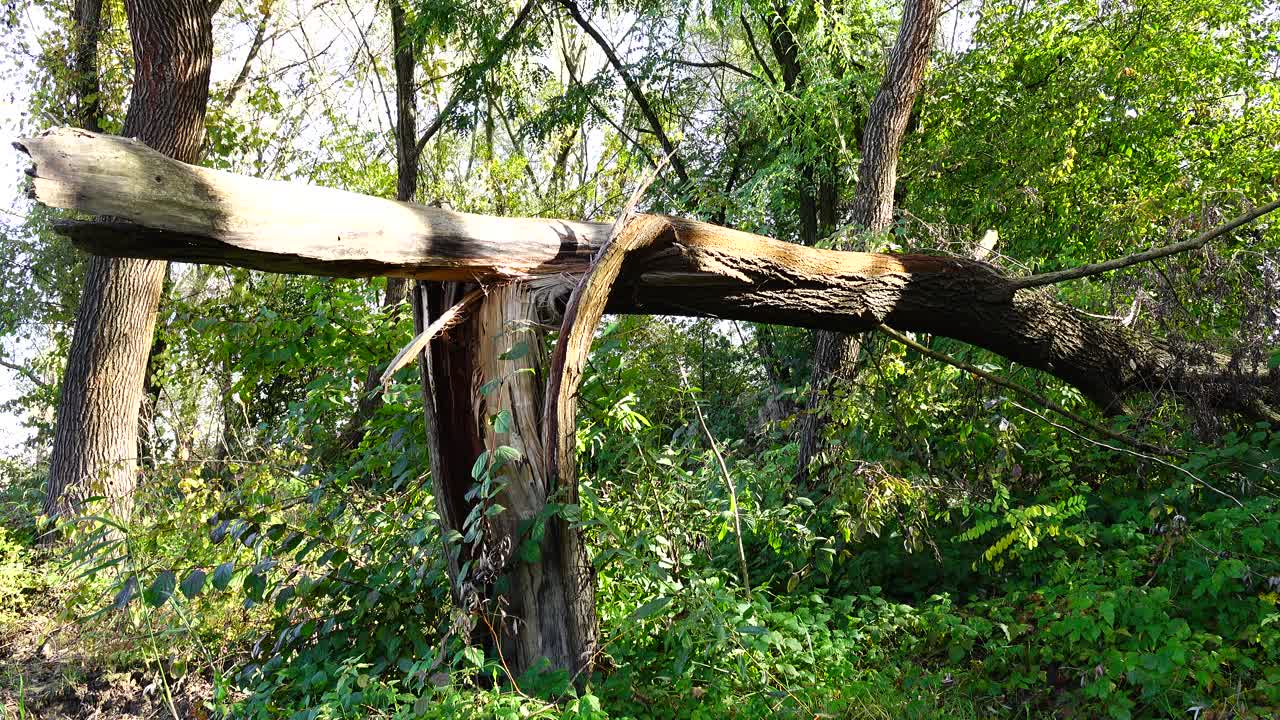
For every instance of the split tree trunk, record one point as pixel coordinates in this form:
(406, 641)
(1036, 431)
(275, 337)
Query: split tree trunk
(95, 443)
(512, 566)
(873, 201)
(489, 366)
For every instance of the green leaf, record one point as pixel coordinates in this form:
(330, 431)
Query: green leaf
(255, 586)
(517, 351)
(502, 421)
(193, 583)
(481, 464)
(474, 655)
(283, 597)
(504, 454)
(649, 608)
(222, 575)
(161, 589)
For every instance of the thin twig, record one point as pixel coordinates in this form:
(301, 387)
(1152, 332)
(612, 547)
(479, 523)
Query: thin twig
(755, 49)
(728, 481)
(1076, 273)
(716, 65)
(1031, 395)
(1144, 456)
(24, 372)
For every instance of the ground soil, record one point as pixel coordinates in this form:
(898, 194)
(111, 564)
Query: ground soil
(44, 675)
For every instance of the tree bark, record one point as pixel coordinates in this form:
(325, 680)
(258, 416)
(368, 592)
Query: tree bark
(87, 24)
(208, 216)
(873, 201)
(490, 365)
(95, 443)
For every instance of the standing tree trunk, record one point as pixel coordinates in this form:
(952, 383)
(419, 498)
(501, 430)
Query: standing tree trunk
(95, 444)
(873, 201)
(87, 24)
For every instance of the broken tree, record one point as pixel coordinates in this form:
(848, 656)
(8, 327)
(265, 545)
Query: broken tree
(655, 265)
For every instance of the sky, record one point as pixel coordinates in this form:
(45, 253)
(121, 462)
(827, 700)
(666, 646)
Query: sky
(14, 101)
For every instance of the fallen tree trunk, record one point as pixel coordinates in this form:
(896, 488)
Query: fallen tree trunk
(697, 269)
(210, 216)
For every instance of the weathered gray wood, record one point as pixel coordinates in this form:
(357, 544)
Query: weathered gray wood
(703, 270)
(288, 227)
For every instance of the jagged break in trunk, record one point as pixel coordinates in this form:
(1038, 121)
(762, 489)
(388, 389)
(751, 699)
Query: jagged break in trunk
(483, 389)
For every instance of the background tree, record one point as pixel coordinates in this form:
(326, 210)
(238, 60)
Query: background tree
(95, 447)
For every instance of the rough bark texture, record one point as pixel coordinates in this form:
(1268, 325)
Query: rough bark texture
(96, 441)
(873, 200)
(717, 272)
(709, 271)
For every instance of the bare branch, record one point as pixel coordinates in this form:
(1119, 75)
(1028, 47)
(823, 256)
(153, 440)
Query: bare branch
(633, 87)
(1083, 271)
(755, 49)
(195, 214)
(716, 64)
(259, 37)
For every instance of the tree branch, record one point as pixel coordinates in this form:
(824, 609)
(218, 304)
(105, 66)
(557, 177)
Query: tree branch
(637, 93)
(755, 48)
(259, 37)
(474, 74)
(196, 214)
(1083, 271)
(718, 64)
(605, 116)
(24, 372)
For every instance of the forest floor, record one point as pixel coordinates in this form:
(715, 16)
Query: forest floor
(49, 672)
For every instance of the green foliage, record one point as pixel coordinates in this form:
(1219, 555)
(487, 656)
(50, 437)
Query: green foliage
(963, 554)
